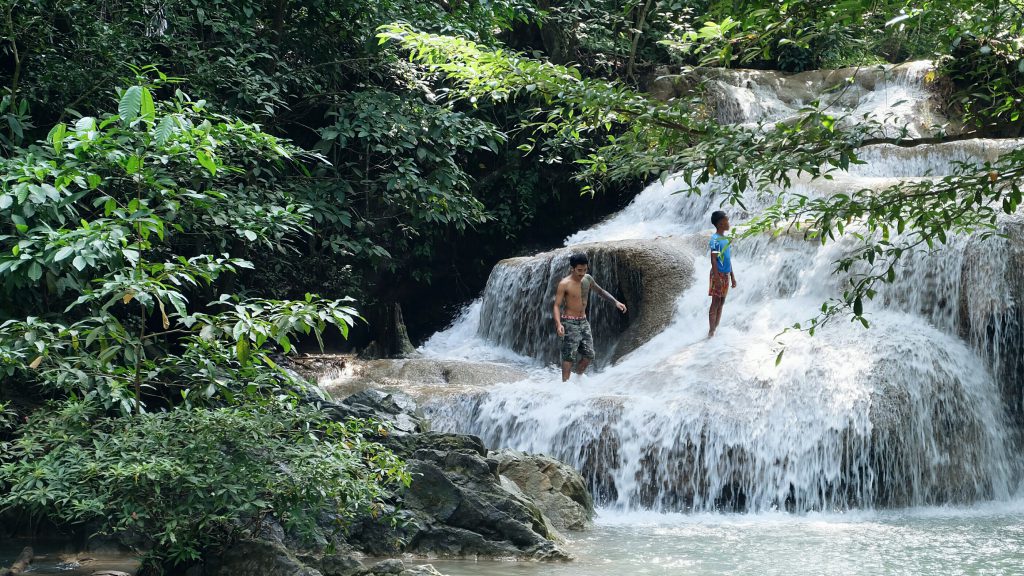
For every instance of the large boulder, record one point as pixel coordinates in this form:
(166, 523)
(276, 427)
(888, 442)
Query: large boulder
(991, 308)
(557, 488)
(272, 558)
(647, 275)
(259, 558)
(456, 506)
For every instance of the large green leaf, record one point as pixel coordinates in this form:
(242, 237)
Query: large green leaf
(146, 106)
(130, 104)
(164, 130)
(206, 161)
(63, 253)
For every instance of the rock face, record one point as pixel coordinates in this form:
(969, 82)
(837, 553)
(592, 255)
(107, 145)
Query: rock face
(992, 319)
(259, 558)
(457, 507)
(738, 96)
(557, 488)
(418, 373)
(397, 409)
(647, 275)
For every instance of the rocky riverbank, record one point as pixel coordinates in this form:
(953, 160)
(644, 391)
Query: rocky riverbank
(463, 501)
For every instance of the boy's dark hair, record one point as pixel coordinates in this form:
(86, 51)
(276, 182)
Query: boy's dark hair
(577, 259)
(716, 217)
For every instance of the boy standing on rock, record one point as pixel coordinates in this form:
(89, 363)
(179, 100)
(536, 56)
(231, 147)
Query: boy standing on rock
(721, 269)
(572, 326)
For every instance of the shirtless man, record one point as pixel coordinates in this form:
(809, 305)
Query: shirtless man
(572, 325)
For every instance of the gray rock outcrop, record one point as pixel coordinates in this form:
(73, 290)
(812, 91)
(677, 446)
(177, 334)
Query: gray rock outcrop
(259, 558)
(557, 488)
(457, 507)
(647, 275)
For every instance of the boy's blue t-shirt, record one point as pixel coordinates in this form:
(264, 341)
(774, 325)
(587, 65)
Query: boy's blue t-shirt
(722, 248)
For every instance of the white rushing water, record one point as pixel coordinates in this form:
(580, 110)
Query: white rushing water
(907, 413)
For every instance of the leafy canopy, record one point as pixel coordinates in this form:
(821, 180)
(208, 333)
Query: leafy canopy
(160, 407)
(643, 136)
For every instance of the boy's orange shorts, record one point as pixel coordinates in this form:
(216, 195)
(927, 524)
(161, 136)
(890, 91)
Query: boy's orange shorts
(719, 284)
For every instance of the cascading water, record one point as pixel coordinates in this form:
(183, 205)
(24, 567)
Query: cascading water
(906, 413)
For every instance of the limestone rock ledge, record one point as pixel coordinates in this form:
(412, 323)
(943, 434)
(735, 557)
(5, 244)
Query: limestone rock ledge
(463, 501)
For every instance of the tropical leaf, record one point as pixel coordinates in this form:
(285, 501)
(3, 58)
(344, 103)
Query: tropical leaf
(131, 102)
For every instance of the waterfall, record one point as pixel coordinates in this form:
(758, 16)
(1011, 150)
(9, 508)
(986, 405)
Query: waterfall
(907, 413)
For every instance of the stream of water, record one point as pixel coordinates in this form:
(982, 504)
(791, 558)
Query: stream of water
(708, 458)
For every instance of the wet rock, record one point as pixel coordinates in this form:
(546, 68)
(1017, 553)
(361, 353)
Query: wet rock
(336, 564)
(258, 558)
(992, 319)
(423, 570)
(399, 568)
(397, 409)
(557, 488)
(416, 376)
(456, 506)
(647, 275)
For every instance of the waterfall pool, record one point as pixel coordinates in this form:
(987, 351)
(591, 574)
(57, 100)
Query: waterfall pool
(892, 422)
(986, 538)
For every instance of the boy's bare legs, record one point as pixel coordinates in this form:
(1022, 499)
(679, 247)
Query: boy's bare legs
(584, 362)
(566, 370)
(715, 314)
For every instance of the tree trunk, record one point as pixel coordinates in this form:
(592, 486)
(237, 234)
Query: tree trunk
(636, 38)
(559, 43)
(390, 338)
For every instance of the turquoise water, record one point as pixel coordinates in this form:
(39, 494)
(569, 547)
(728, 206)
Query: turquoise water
(983, 540)
(987, 539)
(58, 557)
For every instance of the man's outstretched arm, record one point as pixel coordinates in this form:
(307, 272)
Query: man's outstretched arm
(604, 294)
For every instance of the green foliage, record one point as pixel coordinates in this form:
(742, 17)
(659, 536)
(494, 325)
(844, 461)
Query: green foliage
(613, 39)
(986, 66)
(397, 160)
(15, 121)
(779, 34)
(165, 413)
(661, 138)
(300, 69)
(191, 480)
(641, 136)
(8, 418)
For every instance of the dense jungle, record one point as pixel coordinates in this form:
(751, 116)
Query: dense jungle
(194, 191)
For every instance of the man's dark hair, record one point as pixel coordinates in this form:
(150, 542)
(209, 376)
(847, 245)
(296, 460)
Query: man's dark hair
(577, 259)
(716, 217)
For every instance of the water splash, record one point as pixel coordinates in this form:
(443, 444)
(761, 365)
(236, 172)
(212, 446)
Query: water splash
(908, 413)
